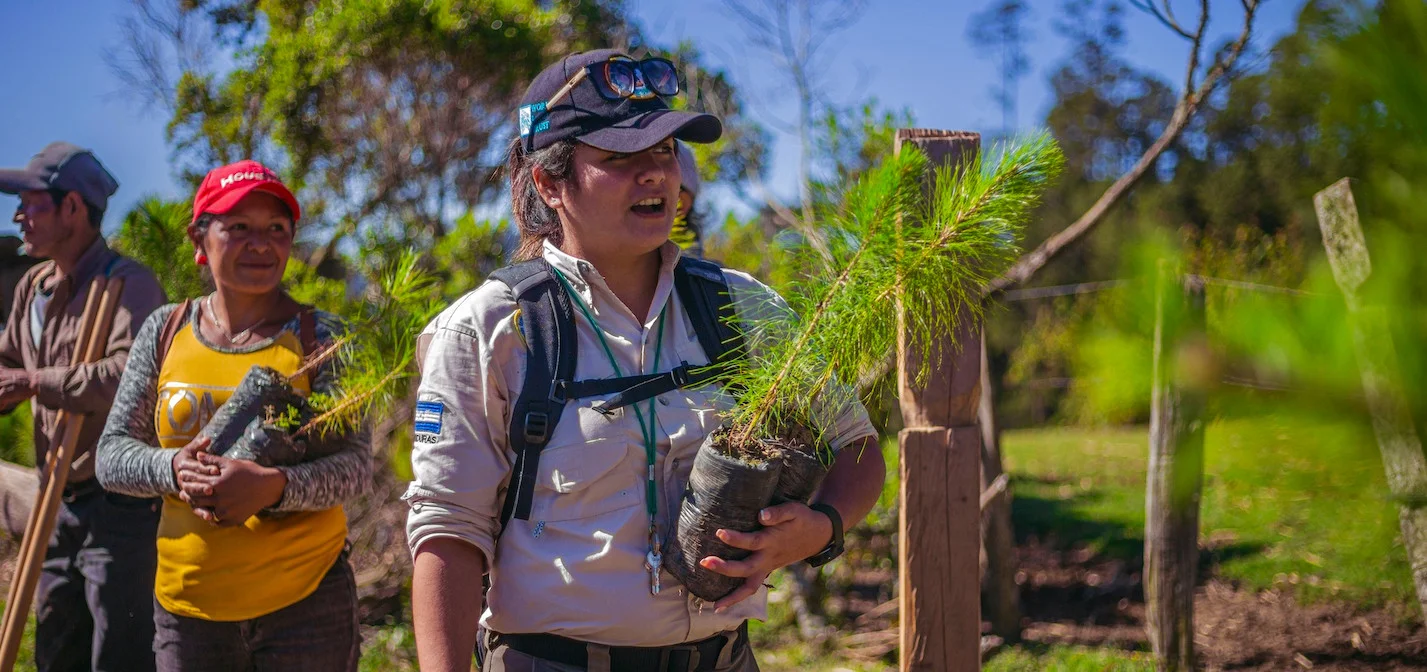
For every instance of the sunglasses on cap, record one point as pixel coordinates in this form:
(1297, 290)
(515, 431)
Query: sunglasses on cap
(626, 78)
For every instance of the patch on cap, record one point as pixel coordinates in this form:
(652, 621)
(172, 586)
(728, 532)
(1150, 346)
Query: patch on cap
(527, 119)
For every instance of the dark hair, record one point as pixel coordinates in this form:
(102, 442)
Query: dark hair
(202, 223)
(96, 214)
(205, 220)
(536, 220)
(694, 221)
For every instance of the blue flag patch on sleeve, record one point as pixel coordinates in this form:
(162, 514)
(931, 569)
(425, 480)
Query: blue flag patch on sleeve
(428, 417)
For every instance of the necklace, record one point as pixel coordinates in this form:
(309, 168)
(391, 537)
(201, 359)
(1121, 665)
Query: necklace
(232, 338)
(654, 559)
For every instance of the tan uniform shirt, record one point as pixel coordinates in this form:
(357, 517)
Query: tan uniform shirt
(576, 567)
(87, 388)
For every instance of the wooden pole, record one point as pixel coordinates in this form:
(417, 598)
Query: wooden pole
(1176, 472)
(46, 471)
(940, 468)
(998, 537)
(1392, 421)
(27, 571)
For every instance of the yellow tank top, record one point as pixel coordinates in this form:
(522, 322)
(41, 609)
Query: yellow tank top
(249, 570)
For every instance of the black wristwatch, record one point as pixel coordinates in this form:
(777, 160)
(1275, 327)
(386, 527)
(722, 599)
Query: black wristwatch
(834, 547)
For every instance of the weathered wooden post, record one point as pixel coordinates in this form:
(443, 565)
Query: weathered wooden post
(997, 538)
(1397, 438)
(940, 476)
(1176, 469)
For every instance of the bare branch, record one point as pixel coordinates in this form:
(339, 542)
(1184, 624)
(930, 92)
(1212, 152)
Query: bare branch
(1184, 110)
(1165, 17)
(816, 239)
(793, 33)
(1197, 48)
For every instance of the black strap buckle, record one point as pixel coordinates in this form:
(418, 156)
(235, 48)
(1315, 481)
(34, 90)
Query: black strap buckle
(537, 427)
(680, 374)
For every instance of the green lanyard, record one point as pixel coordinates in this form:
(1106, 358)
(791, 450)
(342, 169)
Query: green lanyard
(650, 448)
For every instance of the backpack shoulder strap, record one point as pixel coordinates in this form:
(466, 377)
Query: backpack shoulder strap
(307, 330)
(547, 321)
(704, 291)
(172, 324)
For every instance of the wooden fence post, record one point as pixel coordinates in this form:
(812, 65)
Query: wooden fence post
(1397, 438)
(940, 476)
(1176, 472)
(998, 537)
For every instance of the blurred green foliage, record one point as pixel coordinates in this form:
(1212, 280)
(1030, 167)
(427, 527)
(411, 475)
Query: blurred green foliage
(1233, 200)
(17, 438)
(155, 232)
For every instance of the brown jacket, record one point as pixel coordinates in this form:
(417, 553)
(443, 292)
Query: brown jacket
(88, 388)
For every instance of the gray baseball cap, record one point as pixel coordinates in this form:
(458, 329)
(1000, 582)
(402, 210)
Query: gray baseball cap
(689, 169)
(66, 167)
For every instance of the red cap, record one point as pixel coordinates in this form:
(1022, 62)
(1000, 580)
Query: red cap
(222, 188)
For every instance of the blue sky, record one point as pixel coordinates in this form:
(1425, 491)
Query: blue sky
(908, 53)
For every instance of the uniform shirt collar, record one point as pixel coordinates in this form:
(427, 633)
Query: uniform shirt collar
(594, 291)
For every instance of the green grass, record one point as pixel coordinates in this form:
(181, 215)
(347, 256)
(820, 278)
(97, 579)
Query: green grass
(25, 657)
(1066, 659)
(1289, 502)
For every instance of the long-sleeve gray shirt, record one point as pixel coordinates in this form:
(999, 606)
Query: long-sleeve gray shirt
(131, 462)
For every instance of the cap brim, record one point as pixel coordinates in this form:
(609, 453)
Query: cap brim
(16, 180)
(230, 200)
(639, 133)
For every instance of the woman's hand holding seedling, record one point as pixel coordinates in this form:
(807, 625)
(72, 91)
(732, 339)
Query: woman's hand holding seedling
(224, 491)
(187, 459)
(791, 532)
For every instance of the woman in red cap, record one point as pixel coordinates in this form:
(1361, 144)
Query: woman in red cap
(252, 569)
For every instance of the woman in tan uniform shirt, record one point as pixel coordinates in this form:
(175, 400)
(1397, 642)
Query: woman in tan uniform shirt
(595, 181)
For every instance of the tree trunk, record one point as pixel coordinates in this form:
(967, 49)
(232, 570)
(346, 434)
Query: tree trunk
(1392, 421)
(998, 539)
(1176, 476)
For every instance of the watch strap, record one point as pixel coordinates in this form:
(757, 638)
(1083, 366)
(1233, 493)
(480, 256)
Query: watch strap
(834, 546)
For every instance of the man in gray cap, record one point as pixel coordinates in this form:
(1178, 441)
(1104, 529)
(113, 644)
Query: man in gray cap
(94, 605)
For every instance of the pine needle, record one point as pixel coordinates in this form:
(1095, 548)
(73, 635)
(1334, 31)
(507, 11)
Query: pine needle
(888, 239)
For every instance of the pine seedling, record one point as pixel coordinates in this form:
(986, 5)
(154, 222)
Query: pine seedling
(375, 355)
(888, 244)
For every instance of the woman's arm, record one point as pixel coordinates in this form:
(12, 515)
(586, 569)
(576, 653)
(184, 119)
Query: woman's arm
(128, 460)
(446, 603)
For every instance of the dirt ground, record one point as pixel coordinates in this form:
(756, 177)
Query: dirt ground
(1068, 597)
(1071, 598)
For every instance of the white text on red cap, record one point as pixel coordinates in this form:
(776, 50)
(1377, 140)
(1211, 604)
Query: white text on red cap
(265, 176)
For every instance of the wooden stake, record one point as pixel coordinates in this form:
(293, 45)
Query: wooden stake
(93, 336)
(940, 512)
(1176, 473)
(1392, 420)
(46, 471)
